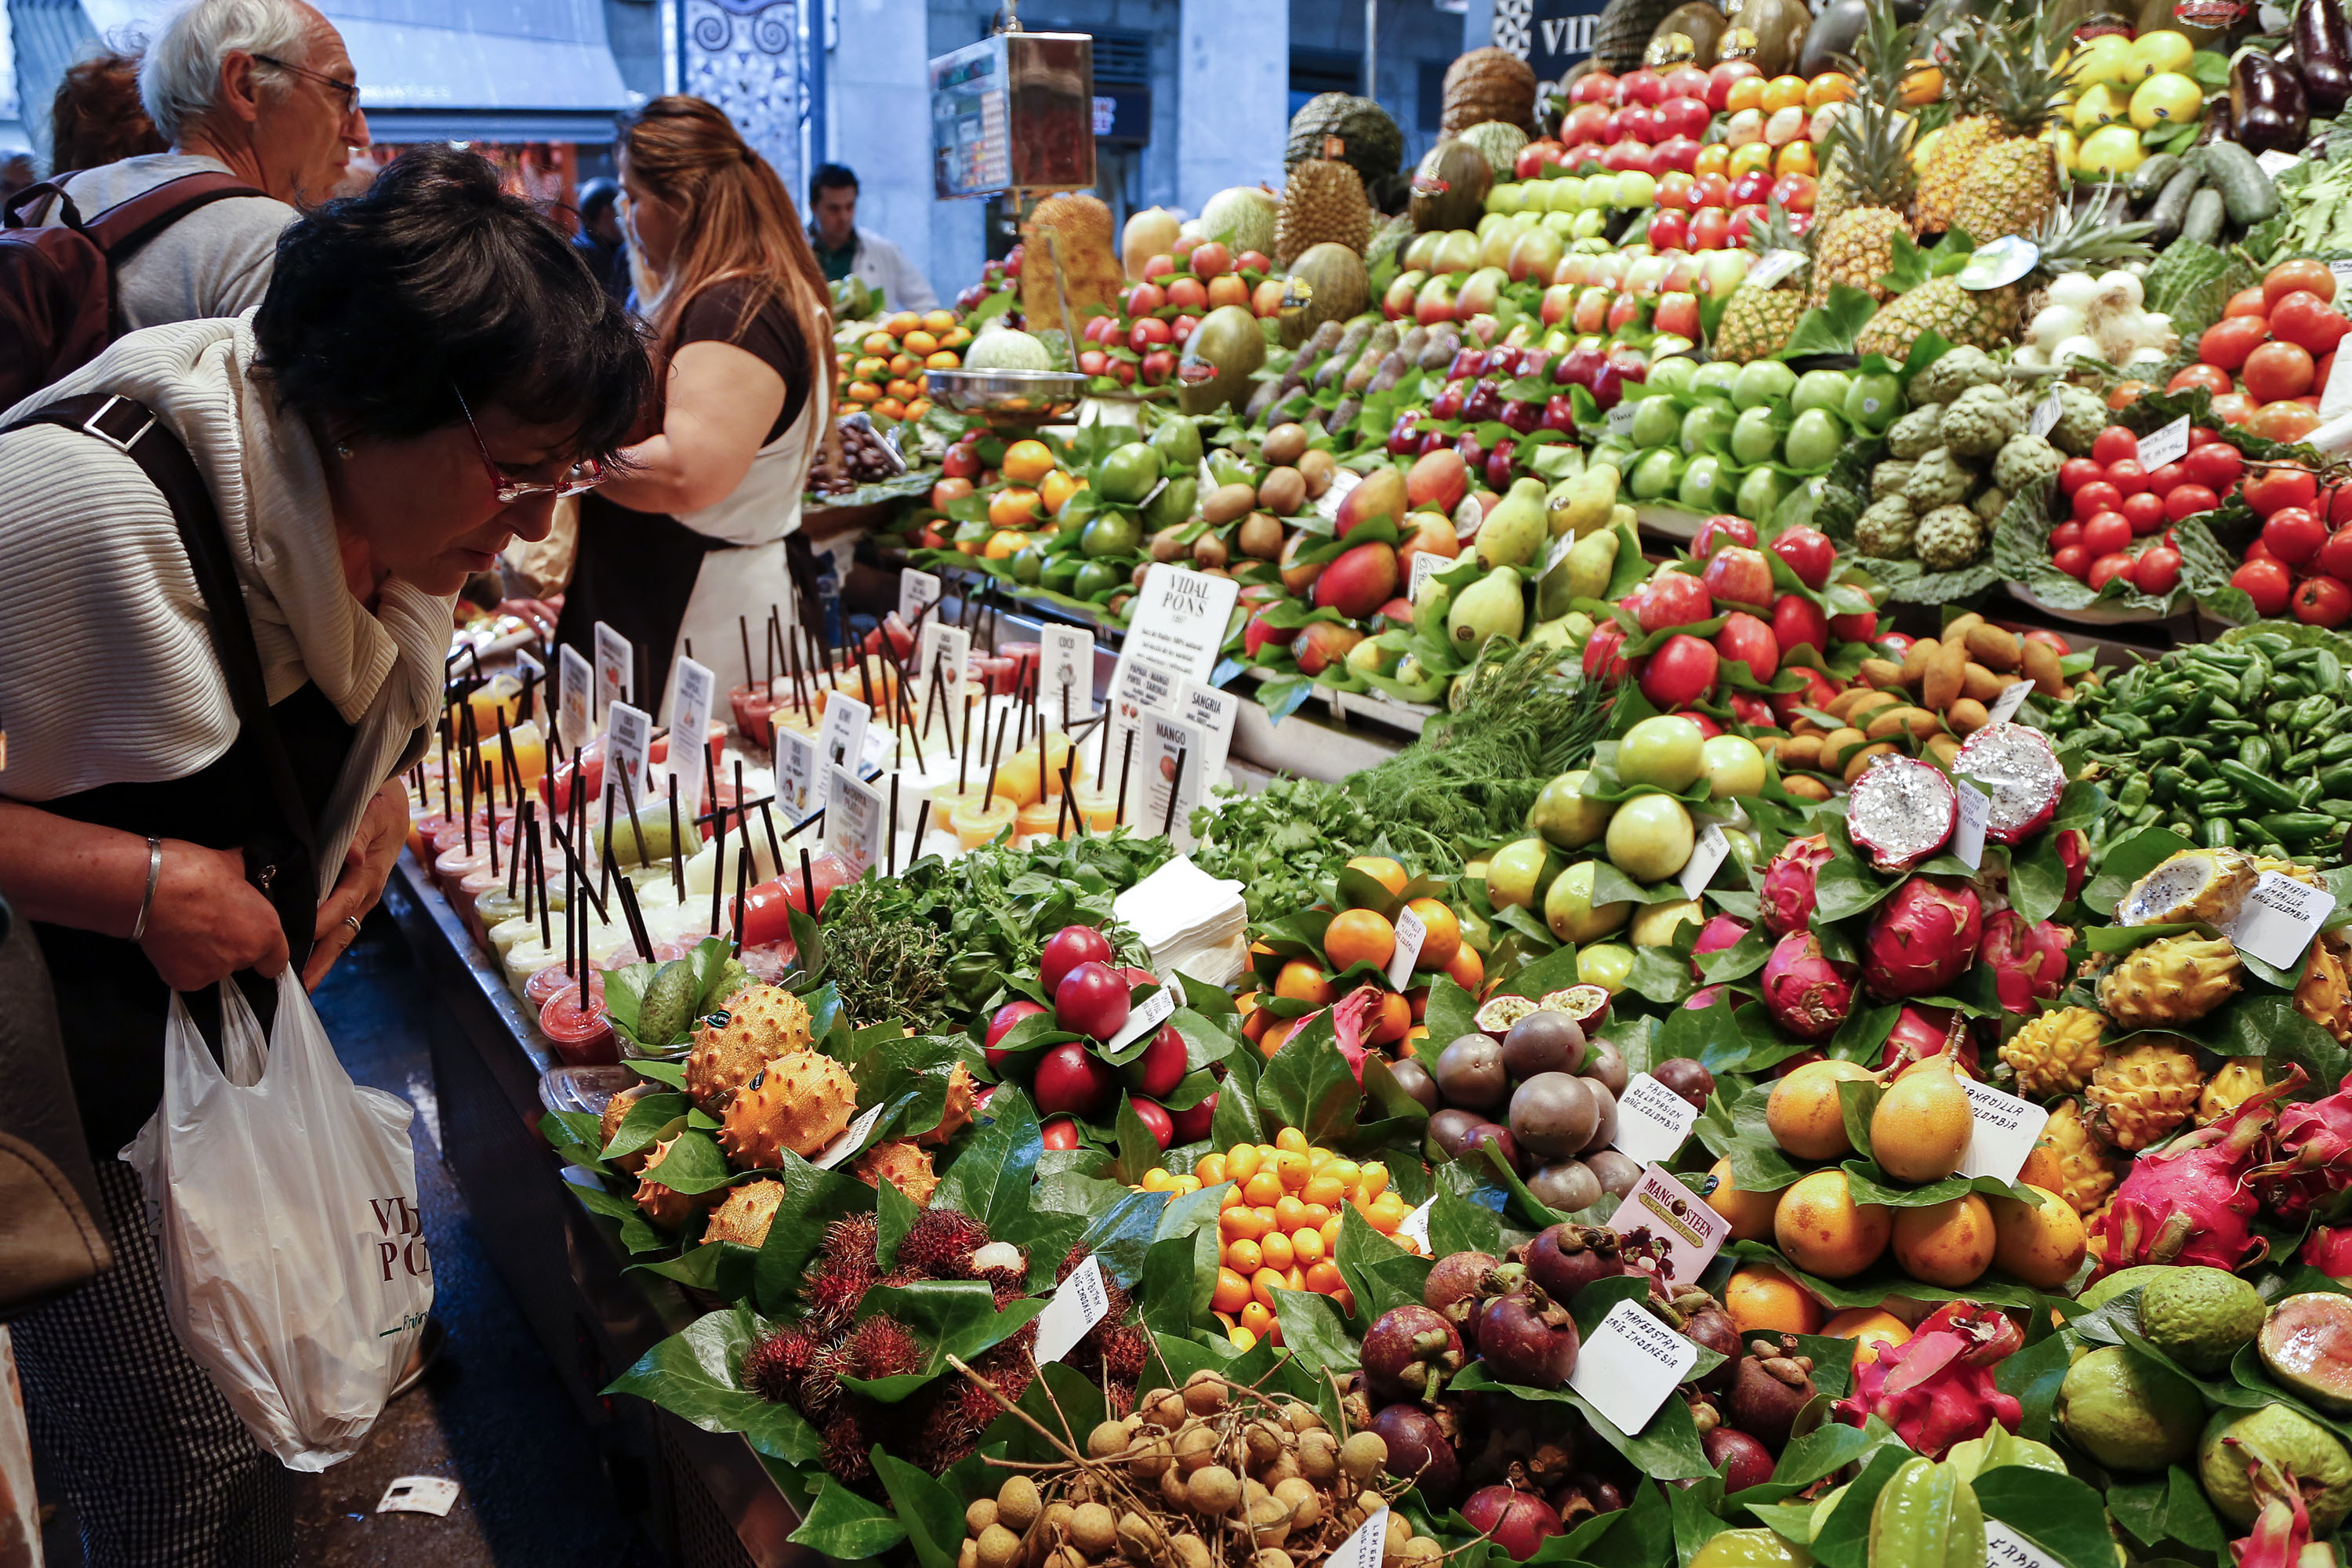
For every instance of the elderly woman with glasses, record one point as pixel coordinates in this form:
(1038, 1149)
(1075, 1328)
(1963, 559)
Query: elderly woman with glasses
(227, 555)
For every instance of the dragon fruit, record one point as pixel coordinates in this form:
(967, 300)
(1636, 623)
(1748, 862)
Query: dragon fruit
(1900, 811)
(2283, 1528)
(1807, 994)
(2314, 1148)
(1785, 899)
(2074, 854)
(2193, 1203)
(2329, 1250)
(2016, 767)
(2028, 961)
(1718, 934)
(1923, 937)
(1937, 1388)
(1924, 1032)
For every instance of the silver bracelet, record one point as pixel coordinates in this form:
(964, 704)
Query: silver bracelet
(154, 872)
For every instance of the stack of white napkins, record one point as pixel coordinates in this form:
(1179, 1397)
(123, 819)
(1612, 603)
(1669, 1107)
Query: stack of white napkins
(1191, 920)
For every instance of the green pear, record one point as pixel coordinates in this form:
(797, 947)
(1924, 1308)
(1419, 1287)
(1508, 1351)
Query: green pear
(1492, 606)
(1516, 529)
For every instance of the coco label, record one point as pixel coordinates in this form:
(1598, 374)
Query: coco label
(2279, 918)
(1631, 1365)
(2005, 706)
(2006, 1130)
(1652, 1121)
(2168, 444)
(1410, 935)
(616, 662)
(574, 717)
(1691, 1232)
(1078, 1304)
(1705, 856)
(1976, 811)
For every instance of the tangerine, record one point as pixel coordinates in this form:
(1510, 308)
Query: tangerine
(1010, 507)
(1301, 981)
(1468, 970)
(1868, 1328)
(1026, 462)
(1796, 158)
(1947, 1243)
(1395, 1016)
(1715, 158)
(1005, 543)
(1783, 92)
(1821, 1230)
(1747, 92)
(901, 322)
(1357, 936)
(1763, 1300)
(1443, 933)
(1380, 869)
(1058, 489)
(2040, 1244)
(1830, 87)
(1750, 1214)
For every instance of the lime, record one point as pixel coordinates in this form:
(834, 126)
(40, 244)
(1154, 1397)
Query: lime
(1127, 476)
(1607, 964)
(1113, 533)
(1028, 566)
(1095, 578)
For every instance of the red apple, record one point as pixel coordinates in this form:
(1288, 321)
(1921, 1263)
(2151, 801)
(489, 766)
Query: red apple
(1676, 151)
(1807, 553)
(1743, 636)
(1682, 671)
(1669, 229)
(1677, 314)
(1091, 1000)
(1674, 599)
(1860, 626)
(1798, 621)
(1210, 259)
(1739, 575)
(1719, 531)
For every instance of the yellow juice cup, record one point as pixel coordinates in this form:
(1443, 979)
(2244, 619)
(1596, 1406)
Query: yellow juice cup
(976, 822)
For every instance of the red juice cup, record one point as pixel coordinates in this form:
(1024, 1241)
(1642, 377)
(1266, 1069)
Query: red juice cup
(555, 978)
(752, 705)
(582, 1037)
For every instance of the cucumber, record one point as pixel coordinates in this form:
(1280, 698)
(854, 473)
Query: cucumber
(2247, 191)
(2152, 176)
(2203, 221)
(2170, 212)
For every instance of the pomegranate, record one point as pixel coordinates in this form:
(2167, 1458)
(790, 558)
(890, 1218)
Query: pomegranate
(2028, 961)
(1807, 994)
(1785, 902)
(1923, 937)
(1516, 1521)
(1066, 950)
(1071, 1082)
(1091, 1000)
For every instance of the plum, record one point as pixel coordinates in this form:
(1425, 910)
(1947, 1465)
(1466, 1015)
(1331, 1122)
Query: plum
(1744, 1461)
(1568, 1186)
(1552, 1114)
(1449, 1132)
(1604, 1061)
(1470, 1073)
(1409, 1353)
(1543, 1042)
(1565, 1258)
(1418, 1451)
(1516, 1521)
(1616, 1172)
(1414, 1079)
(1528, 1338)
(1686, 1078)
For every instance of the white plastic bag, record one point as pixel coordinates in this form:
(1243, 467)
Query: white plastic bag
(284, 1198)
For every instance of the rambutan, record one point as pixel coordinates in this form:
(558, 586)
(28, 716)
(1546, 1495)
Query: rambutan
(847, 1450)
(830, 1297)
(852, 1239)
(940, 1245)
(881, 1346)
(821, 1384)
(1009, 1284)
(773, 1368)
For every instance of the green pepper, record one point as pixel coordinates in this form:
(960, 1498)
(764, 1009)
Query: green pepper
(2257, 786)
(2328, 674)
(2197, 765)
(2165, 784)
(2251, 684)
(2160, 748)
(2216, 834)
(2278, 714)
(2219, 794)
(2235, 728)
(2133, 793)
(2337, 748)
(2305, 791)
(2335, 782)
(2194, 714)
(2254, 752)
(2301, 761)
(2341, 810)
(2146, 817)
(2130, 726)
(2271, 643)
(2296, 827)
(2206, 654)
(2225, 709)
(2312, 713)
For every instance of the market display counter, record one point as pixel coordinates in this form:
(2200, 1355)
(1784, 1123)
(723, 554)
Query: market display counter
(704, 1499)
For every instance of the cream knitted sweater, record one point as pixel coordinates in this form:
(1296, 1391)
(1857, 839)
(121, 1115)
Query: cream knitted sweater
(107, 674)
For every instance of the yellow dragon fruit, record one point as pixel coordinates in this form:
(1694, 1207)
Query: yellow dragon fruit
(2172, 980)
(745, 1217)
(2055, 1053)
(2240, 1078)
(2321, 995)
(903, 1165)
(801, 1102)
(758, 1025)
(2206, 885)
(2140, 1095)
(2068, 1161)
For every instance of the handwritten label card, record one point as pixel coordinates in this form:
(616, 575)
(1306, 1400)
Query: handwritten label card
(916, 590)
(2167, 444)
(1707, 856)
(1652, 1121)
(843, 1147)
(1428, 564)
(1415, 1225)
(616, 667)
(1079, 1303)
(632, 732)
(575, 719)
(1689, 1232)
(1975, 812)
(2003, 1547)
(1410, 932)
(855, 817)
(2046, 413)
(2007, 1127)
(948, 651)
(1621, 419)
(690, 708)
(2005, 706)
(1367, 1547)
(2279, 918)
(1631, 1364)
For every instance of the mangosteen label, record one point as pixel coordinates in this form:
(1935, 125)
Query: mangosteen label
(1079, 1303)
(841, 741)
(2046, 413)
(2005, 1549)
(571, 714)
(795, 766)
(1621, 418)
(2007, 1129)
(1149, 1014)
(1652, 1121)
(1773, 266)
(1705, 856)
(2005, 706)
(1410, 935)
(1689, 1231)
(849, 1143)
(2168, 444)
(917, 592)
(1367, 1548)
(1631, 1365)
(1969, 837)
(616, 662)
(689, 711)
(1415, 1225)
(2279, 918)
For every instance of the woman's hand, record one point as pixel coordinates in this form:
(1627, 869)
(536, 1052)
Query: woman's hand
(207, 921)
(383, 829)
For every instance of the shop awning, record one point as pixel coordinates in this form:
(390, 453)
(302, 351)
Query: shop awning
(510, 71)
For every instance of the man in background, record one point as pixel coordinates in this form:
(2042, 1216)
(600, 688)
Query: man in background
(600, 241)
(845, 250)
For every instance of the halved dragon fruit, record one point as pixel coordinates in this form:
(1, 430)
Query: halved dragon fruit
(2014, 766)
(1901, 811)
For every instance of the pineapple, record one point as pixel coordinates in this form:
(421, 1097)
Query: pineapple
(1970, 131)
(2009, 184)
(1757, 322)
(1864, 200)
(1324, 201)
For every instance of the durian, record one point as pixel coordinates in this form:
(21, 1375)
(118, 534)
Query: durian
(1324, 202)
(801, 1102)
(2055, 1053)
(2321, 994)
(761, 1024)
(745, 1217)
(957, 1113)
(903, 1165)
(666, 1206)
(2206, 885)
(2240, 1078)
(2068, 1161)
(2172, 980)
(2140, 1095)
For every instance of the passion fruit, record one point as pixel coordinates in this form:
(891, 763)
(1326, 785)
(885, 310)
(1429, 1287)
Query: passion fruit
(1686, 1078)
(1543, 1042)
(1470, 1073)
(1568, 1186)
(1449, 1132)
(1604, 1125)
(1552, 1114)
(1496, 1015)
(1587, 1005)
(1415, 1081)
(1616, 1172)
(1495, 1136)
(1604, 1061)
(1516, 1521)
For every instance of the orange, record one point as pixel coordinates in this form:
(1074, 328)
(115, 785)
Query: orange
(901, 323)
(1026, 462)
(900, 387)
(1468, 970)
(1747, 92)
(1058, 488)
(1830, 87)
(1301, 981)
(918, 343)
(1754, 156)
(1947, 1243)
(1821, 1230)
(1444, 938)
(1796, 158)
(938, 321)
(1231, 1292)
(864, 392)
(1380, 869)
(1359, 936)
(878, 343)
(1715, 158)
(1868, 1328)
(1783, 92)
(1394, 1018)
(1763, 1300)
(873, 367)
(1005, 543)
(916, 409)
(890, 407)
(1750, 1214)
(1010, 507)
(905, 363)
(1271, 1041)
(945, 359)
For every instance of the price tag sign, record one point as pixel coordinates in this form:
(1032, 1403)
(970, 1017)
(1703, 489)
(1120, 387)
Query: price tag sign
(1180, 617)
(2166, 445)
(632, 739)
(419, 1494)
(841, 739)
(873, 749)
(1774, 266)
(2004, 1547)
(1148, 1015)
(2046, 413)
(1213, 714)
(1976, 811)
(616, 664)
(1631, 1364)
(573, 717)
(1168, 758)
(2279, 918)
(843, 1147)
(944, 651)
(1621, 419)
(1428, 564)
(2336, 399)
(916, 590)
(2012, 698)
(1066, 673)
(535, 674)
(1706, 854)
(795, 769)
(1410, 935)
(1554, 554)
(1079, 1303)
(1327, 505)
(2007, 1127)
(1652, 1121)
(1416, 1225)
(689, 706)
(1367, 1548)
(1689, 1232)
(855, 817)
(2276, 162)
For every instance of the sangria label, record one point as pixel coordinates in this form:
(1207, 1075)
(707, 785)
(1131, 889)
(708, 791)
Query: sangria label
(1213, 714)
(1631, 1365)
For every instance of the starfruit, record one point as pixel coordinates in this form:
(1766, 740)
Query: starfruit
(1926, 1517)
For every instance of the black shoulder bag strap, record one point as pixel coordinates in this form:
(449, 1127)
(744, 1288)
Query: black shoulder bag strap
(289, 881)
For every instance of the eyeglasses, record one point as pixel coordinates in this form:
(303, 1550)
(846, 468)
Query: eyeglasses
(583, 476)
(347, 92)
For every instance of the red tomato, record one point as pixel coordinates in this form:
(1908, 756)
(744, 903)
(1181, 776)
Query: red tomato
(2322, 602)
(2278, 370)
(2128, 476)
(2336, 555)
(2284, 486)
(2115, 443)
(2305, 275)
(2106, 534)
(2074, 560)
(2284, 421)
(2257, 551)
(2064, 534)
(2339, 512)
(2293, 535)
(2157, 570)
(2212, 378)
(2305, 319)
(2265, 582)
(2231, 408)
(2229, 341)
(2187, 501)
(2096, 498)
(2199, 436)
(2247, 304)
(2160, 481)
(2144, 511)
(2107, 567)
(2076, 472)
(2216, 464)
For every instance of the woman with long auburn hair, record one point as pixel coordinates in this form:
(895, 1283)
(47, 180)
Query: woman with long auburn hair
(694, 533)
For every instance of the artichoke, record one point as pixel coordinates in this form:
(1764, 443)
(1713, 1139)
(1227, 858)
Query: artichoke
(2082, 415)
(1981, 421)
(1884, 531)
(1939, 478)
(1915, 433)
(2025, 460)
(1889, 478)
(1949, 537)
(1945, 379)
(1990, 503)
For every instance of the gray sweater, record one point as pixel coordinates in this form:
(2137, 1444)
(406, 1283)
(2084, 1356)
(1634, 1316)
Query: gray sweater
(215, 261)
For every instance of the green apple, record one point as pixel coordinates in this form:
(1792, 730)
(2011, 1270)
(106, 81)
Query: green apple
(1704, 485)
(1656, 421)
(1733, 764)
(1672, 374)
(1755, 439)
(1761, 490)
(1715, 378)
(1761, 383)
(1655, 474)
(1594, 221)
(1704, 425)
(1636, 188)
(1820, 389)
(1666, 752)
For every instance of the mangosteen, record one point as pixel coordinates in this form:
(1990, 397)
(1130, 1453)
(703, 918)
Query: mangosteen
(1418, 1451)
(1409, 1353)
(1414, 1079)
(1452, 1289)
(1543, 1042)
(1565, 1258)
(1772, 1384)
(1744, 1461)
(1604, 1117)
(1586, 1494)
(1516, 1521)
(1686, 1078)
(1552, 1114)
(1566, 1185)
(1616, 1172)
(1488, 1134)
(1604, 1061)
(1528, 1338)
(1449, 1132)
(1470, 1073)
(1702, 1320)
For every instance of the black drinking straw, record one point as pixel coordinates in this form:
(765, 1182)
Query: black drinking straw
(445, 764)
(688, 642)
(890, 831)
(743, 629)
(1168, 822)
(635, 919)
(571, 901)
(638, 828)
(528, 710)
(539, 880)
(1126, 760)
(742, 891)
(775, 849)
(465, 824)
(995, 752)
(767, 650)
(742, 810)
(718, 865)
(1062, 814)
(922, 826)
(1102, 763)
(506, 760)
(491, 836)
(808, 884)
(709, 780)
(677, 855)
(605, 870)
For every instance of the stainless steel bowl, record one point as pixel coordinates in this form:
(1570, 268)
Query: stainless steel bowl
(1007, 399)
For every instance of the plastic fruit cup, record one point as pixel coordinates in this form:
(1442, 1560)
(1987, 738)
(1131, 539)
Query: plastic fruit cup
(509, 932)
(494, 905)
(751, 706)
(583, 1038)
(1040, 819)
(452, 866)
(1098, 805)
(530, 751)
(976, 822)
